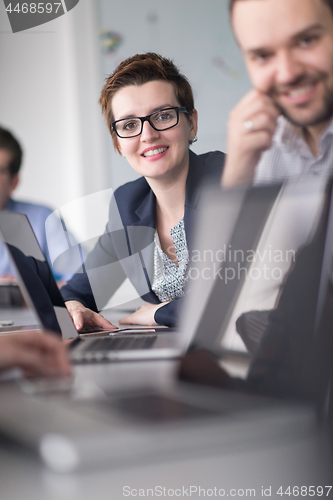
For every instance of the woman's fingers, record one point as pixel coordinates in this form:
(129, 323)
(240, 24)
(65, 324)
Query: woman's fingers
(82, 316)
(143, 316)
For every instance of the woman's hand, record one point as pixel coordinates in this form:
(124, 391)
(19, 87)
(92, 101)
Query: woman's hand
(82, 316)
(8, 279)
(143, 316)
(36, 353)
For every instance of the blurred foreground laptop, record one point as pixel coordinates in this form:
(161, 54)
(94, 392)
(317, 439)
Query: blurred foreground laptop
(124, 426)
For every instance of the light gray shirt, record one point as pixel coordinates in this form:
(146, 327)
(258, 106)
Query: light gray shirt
(290, 156)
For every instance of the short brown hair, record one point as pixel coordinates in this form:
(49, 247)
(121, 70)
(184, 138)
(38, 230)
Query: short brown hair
(140, 69)
(329, 3)
(11, 144)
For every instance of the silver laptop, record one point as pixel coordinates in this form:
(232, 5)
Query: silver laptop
(17, 234)
(91, 344)
(125, 344)
(125, 426)
(233, 221)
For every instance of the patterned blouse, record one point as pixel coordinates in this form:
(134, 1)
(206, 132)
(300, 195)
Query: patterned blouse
(169, 279)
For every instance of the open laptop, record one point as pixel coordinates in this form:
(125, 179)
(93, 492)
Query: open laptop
(243, 219)
(17, 234)
(126, 426)
(37, 289)
(297, 327)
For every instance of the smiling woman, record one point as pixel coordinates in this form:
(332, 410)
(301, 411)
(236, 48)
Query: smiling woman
(149, 109)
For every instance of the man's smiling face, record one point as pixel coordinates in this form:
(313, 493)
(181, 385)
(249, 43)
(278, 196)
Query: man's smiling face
(288, 50)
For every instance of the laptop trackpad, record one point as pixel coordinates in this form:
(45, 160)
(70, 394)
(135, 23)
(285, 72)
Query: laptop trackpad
(154, 408)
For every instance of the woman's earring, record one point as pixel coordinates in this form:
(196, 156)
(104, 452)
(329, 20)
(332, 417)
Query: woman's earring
(193, 140)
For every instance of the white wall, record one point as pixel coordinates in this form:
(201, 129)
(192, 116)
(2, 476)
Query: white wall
(50, 83)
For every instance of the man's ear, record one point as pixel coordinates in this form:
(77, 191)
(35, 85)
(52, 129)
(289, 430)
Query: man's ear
(14, 182)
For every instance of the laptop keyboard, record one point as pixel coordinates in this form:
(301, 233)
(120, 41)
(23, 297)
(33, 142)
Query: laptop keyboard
(121, 343)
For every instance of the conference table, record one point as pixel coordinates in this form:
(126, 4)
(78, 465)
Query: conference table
(287, 465)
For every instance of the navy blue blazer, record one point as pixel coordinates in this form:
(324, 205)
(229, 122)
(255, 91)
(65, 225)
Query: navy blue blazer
(126, 249)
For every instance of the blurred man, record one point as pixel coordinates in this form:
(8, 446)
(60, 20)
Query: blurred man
(10, 163)
(283, 127)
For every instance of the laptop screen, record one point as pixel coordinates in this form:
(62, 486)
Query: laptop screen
(34, 275)
(258, 288)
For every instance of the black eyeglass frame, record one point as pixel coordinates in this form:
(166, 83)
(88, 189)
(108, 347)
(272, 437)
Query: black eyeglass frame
(178, 109)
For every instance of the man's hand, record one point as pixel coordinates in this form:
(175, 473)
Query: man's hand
(252, 124)
(143, 316)
(82, 316)
(36, 353)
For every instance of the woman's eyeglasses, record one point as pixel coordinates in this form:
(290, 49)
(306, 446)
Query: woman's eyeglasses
(159, 120)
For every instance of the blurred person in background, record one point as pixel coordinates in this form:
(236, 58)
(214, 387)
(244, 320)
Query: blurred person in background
(10, 163)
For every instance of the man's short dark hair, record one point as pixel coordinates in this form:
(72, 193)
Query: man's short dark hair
(329, 3)
(8, 142)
